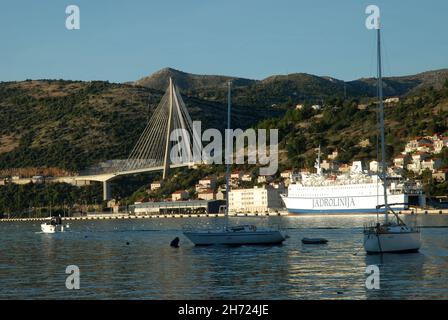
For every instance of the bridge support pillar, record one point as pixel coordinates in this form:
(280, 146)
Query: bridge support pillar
(106, 191)
(166, 161)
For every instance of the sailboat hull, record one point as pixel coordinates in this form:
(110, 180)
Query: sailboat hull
(206, 238)
(400, 242)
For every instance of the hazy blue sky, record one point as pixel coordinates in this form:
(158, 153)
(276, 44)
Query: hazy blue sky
(125, 40)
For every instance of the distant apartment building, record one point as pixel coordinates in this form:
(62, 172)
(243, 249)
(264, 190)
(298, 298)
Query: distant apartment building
(374, 166)
(415, 167)
(286, 174)
(402, 160)
(345, 168)
(255, 200)
(392, 100)
(431, 165)
(440, 176)
(333, 155)
(206, 183)
(422, 162)
(420, 156)
(329, 165)
(37, 179)
(236, 175)
(280, 186)
(179, 195)
(207, 194)
(155, 185)
(429, 144)
(440, 143)
(247, 177)
(264, 179)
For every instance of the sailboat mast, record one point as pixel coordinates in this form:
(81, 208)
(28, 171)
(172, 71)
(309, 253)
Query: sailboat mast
(229, 107)
(383, 142)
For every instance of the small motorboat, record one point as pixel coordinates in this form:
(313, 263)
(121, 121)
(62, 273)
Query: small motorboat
(314, 241)
(53, 226)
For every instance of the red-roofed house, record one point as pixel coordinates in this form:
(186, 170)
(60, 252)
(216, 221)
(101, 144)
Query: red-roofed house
(401, 160)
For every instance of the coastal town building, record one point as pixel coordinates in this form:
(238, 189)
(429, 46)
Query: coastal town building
(207, 194)
(178, 207)
(333, 155)
(208, 182)
(255, 200)
(420, 156)
(440, 175)
(179, 195)
(205, 184)
(392, 100)
(402, 160)
(280, 186)
(430, 144)
(155, 185)
(431, 165)
(329, 165)
(264, 179)
(236, 175)
(345, 168)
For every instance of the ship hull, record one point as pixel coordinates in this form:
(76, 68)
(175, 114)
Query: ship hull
(342, 204)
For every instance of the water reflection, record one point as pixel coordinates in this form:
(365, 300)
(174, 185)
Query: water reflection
(133, 260)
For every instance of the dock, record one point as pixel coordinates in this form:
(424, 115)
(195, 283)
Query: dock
(126, 216)
(148, 216)
(419, 211)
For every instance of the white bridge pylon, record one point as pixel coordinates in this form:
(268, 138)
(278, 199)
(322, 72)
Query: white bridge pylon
(152, 150)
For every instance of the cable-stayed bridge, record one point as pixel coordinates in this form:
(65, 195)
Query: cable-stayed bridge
(152, 150)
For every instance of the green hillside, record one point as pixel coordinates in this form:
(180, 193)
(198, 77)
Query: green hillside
(350, 127)
(73, 124)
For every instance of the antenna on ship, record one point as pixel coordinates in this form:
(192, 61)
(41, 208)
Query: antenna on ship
(317, 165)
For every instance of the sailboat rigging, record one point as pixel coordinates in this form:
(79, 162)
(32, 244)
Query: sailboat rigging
(234, 235)
(388, 237)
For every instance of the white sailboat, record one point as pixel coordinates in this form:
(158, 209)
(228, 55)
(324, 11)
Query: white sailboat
(389, 236)
(235, 235)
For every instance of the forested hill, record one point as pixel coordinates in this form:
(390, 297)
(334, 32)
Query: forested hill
(350, 127)
(73, 124)
(291, 89)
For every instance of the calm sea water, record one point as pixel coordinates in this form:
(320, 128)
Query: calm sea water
(132, 259)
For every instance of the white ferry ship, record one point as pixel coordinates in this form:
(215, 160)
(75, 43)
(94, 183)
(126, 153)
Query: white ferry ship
(354, 192)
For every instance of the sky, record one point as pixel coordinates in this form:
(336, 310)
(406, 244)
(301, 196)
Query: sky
(123, 41)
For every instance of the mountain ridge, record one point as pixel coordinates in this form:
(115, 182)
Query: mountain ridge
(365, 86)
